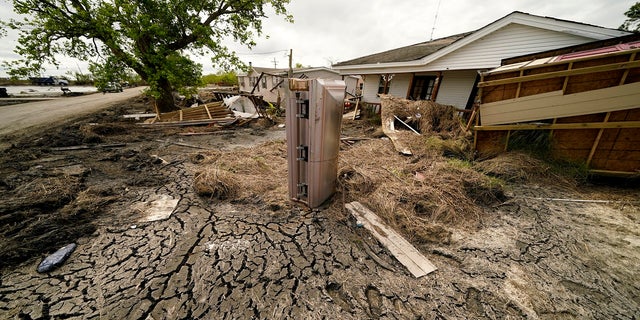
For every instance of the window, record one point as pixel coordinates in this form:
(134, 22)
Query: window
(385, 83)
(422, 87)
(242, 82)
(264, 81)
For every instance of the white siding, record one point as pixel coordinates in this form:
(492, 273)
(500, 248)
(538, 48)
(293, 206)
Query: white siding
(370, 89)
(456, 87)
(510, 41)
(400, 85)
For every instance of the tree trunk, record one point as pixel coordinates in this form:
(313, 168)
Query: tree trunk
(165, 102)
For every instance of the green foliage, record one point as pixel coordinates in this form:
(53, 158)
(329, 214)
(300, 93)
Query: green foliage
(221, 78)
(633, 21)
(151, 37)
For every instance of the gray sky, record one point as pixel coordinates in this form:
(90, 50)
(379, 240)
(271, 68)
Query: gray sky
(330, 31)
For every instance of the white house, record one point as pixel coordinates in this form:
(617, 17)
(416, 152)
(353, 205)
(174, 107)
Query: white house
(270, 81)
(446, 70)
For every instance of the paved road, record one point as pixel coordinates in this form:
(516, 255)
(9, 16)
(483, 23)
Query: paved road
(21, 116)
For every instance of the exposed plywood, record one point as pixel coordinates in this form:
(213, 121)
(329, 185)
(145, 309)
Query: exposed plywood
(490, 143)
(406, 253)
(555, 105)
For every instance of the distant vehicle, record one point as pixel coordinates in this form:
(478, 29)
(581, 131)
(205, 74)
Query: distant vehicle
(112, 87)
(49, 81)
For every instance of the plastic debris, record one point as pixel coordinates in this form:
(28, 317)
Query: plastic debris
(56, 259)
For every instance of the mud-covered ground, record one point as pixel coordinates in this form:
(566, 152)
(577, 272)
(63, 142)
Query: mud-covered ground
(533, 256)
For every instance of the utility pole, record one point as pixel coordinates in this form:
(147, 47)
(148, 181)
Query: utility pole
(275, 63)
(290, 63)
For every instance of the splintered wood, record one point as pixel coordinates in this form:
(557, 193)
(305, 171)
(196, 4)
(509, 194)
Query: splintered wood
(407, 254)
(208, 111)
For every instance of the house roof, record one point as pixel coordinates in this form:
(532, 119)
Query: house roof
(580, 47)
(408, 53)
(425, 52)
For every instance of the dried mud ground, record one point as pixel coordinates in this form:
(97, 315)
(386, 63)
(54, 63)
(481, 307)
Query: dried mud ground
(530, 257)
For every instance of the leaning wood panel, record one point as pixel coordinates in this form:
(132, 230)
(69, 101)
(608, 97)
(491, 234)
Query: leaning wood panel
(593, 81)
(556, 105)
(571, 155)
(584, 118)
(499, 93)
(574, 139)
(490, 143)
(535, 87)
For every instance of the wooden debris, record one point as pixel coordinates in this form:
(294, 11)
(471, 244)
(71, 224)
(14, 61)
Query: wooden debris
(138, 116)
(406, 125)
(86, 146)
(159, 207)
(220, 121)
(181, 144)
(406, 253)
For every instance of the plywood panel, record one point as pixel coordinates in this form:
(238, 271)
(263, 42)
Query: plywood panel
(490, 143)
(556, 105)
(499, 93)
(593, 81)
(531, 88)
(572, 155)
(631, 166)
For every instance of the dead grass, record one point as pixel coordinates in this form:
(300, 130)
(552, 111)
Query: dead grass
(50, 191)
(418, 195)
(254, 175)
(520, 167)
(428, 117)
(215, 183)
(424, 196)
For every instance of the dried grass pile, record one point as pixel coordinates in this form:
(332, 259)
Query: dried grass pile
(521, 167)
(439, 124)
(422, 196)
(434, 189)
(428, 117)
(253, 175)
(215, 183)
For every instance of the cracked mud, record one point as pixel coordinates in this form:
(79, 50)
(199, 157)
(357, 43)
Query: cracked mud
(531, 258)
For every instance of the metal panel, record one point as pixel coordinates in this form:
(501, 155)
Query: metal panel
(314, 116)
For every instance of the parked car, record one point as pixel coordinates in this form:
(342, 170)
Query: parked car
(49, 81)
(112, 87)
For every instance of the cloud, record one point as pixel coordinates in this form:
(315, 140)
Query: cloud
(339, 30)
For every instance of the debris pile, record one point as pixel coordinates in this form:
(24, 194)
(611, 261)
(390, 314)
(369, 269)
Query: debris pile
(404, 121)
(430, 189)
(424, 195)
(214, 112)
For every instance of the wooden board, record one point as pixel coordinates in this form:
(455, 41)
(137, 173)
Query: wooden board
(555, 105)
(406, 253)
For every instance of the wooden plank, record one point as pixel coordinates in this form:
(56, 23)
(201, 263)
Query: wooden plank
(555, 105)
(560, 126)
(597, 141)
(613, 55)
(406, 253)
(572, 72)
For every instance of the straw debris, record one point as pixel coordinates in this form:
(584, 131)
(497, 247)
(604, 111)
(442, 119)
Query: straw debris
(215, 183)
(257, 175)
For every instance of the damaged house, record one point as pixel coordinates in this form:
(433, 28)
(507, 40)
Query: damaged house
(446, 70)
(579, 104)
(268, 82)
